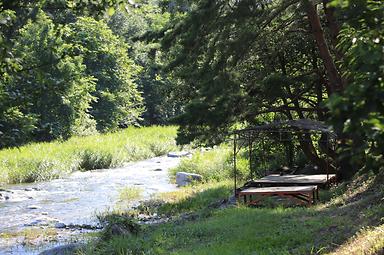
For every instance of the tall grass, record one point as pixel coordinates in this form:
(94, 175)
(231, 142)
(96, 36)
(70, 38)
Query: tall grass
(214, 165)
(44, 161)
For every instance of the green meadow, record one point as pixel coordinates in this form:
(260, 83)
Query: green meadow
(49, 160)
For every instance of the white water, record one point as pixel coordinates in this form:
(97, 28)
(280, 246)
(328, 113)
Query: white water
(75, 200)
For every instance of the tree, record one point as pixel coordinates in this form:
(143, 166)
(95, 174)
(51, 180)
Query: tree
(358, 112)
(136, 27)
(15, 124)
(50, 84)
(249, 61)
(118, 102)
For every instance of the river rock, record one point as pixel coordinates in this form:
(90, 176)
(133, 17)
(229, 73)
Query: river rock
(178, 154)
(4, 197)
(119, 230)
(183, 178)
(63, 250)
(37, 222)
(33, 207)
(60, 225)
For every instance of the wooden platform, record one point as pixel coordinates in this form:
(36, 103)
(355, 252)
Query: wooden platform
(303, 194)
(290, 179)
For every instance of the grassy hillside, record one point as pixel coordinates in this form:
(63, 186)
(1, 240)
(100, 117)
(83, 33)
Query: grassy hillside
(42, 161)
(348, 220)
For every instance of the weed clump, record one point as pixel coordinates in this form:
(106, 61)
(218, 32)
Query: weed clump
(119, 225)
(93, 159)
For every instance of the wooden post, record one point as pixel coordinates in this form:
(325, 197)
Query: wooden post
(250, 155)
(234, 164)
(327, 158)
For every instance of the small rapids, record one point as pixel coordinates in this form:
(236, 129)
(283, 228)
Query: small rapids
(70, 205)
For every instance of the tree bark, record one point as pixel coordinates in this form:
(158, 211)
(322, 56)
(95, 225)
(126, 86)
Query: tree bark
(336, 84)
(334, 27)
(305, 140)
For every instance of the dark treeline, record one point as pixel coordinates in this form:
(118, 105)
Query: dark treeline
(72, 68)
(254, 61)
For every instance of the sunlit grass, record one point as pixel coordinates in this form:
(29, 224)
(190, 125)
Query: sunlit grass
(343, 223)
(128, 194)
(44, 161)
(31, 234)
(213, 165)
(368, 241)
(194, 198)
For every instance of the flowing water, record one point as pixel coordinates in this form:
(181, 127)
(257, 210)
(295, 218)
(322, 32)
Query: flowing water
(70, 205)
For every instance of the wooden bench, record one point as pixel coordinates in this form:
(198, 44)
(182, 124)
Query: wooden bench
(302, 194)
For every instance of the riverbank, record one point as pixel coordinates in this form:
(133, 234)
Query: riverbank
(46, 161)
(200, 219)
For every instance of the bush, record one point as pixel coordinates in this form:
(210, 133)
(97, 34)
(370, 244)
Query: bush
(92, 159)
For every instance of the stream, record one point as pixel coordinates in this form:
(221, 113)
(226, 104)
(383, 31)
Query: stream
(69, 205)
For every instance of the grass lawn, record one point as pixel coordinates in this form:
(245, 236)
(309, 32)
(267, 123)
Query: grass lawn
(347, 215)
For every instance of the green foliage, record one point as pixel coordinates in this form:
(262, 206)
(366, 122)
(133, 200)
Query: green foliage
(118, 102)
(67, 80)
(52, 85)
(137, 27)
(214, 165)
(44, 161)
(25, 65)
(357, 113)
(47, 96)
(244, 62)
(16, 127)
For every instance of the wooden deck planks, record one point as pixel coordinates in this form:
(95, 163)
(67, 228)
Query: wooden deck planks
(286, 190)
(300, 179)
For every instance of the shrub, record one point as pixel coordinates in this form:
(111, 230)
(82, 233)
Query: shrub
(93, 159)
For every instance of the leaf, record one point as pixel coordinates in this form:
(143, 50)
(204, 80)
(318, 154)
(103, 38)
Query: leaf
(111, 10)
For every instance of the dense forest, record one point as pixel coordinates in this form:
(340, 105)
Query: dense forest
(75, 68)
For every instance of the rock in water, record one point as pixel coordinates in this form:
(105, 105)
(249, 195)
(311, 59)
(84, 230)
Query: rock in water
(63, 250)
(178, 154)
(183, 178)
(33, 207)
(60, 225)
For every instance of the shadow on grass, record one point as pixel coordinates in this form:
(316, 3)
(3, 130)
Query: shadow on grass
(209, 198)
(243, 230)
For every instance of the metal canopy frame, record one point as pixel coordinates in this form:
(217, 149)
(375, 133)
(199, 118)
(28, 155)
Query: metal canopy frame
(299, 130)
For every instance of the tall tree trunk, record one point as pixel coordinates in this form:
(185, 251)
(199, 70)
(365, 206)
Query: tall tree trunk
(336, 84)
(334, 27)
